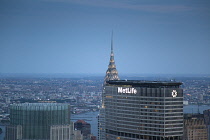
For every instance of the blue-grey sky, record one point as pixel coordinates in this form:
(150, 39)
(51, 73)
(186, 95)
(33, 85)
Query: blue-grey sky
(74, 36)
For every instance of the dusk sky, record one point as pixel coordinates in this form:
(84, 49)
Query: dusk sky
(74, 36)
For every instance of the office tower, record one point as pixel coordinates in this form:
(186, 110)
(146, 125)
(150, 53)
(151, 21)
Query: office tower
(84, 127)
(194, 127)
(111, 74)
(206, 114)
(49, 121)
(143, 110)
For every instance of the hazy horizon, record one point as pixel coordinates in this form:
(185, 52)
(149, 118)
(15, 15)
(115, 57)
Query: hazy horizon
(82, 75)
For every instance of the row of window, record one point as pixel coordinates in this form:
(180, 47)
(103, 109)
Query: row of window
(152, 135)
(141, 98)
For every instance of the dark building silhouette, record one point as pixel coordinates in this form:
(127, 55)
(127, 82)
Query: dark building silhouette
(143, 110)
(206, 114)
(194, 127)
(93, 137)
(84, 127)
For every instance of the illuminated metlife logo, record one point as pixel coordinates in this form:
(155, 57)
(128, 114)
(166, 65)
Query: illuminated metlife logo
(127, 90)
(174, 93)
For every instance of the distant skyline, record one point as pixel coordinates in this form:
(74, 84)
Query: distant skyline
(74, 36)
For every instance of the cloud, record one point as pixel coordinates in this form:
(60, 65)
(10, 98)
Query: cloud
(125, 4)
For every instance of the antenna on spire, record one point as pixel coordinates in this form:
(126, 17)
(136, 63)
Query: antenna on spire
(112, 43)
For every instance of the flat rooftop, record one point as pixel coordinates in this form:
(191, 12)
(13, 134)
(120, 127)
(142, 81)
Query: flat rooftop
(144, 83)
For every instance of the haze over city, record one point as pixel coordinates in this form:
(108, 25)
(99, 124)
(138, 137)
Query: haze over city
(67, 36)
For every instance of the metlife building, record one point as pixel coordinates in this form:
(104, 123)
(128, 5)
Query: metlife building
(143, 110)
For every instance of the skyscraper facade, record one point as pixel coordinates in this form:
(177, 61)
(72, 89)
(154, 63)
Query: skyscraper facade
(39, 121)
(143, 110)
(195, 127)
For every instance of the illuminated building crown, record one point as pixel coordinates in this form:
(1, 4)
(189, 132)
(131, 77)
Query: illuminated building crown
(111, 73)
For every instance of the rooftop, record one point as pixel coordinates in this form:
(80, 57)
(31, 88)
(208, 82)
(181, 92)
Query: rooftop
(81, 121)
(39, 106)
(144, 83)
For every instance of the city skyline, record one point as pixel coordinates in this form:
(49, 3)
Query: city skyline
(53, 36)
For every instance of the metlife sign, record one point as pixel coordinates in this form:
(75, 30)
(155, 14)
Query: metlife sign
(127, 90)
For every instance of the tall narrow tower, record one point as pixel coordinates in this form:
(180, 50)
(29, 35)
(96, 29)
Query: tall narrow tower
(111, 73)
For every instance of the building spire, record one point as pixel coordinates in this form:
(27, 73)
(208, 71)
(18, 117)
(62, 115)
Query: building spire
(111, 73)
(112, 43)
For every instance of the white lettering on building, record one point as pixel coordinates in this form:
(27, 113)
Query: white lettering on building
(127, 90)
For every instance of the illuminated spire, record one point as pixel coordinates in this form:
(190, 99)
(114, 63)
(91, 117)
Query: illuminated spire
(111, 73)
